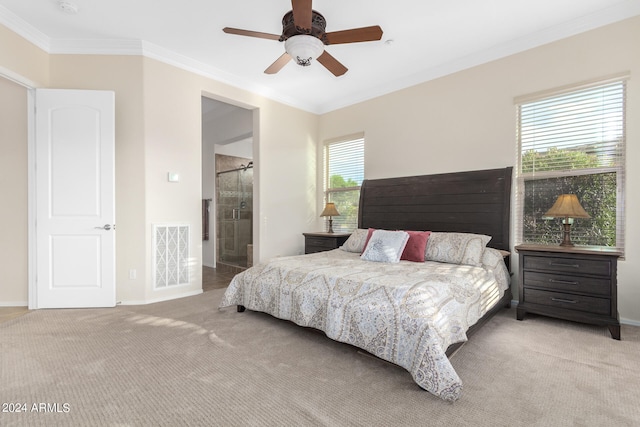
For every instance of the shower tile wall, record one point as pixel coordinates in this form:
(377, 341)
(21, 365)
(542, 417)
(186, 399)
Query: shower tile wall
(234, 237)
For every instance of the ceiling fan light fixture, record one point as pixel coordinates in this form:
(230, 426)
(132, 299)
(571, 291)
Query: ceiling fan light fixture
(304, 48)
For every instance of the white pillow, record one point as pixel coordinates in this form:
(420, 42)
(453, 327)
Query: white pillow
(355, 242)
(456, 248)
(385, 246)
(491, 258)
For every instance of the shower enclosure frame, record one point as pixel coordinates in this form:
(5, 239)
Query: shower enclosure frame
(234, 216)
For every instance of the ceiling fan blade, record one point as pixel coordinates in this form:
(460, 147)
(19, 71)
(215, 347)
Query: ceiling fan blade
(332, 64)
(278, 64)
(248, 33)
(355, 35)
(302, 13)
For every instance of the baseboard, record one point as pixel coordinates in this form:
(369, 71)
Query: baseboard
(161, 299)
(629, 322)
(14, 304)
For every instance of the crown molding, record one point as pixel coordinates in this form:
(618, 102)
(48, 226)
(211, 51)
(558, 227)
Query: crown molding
(24, 29)
(96, 47)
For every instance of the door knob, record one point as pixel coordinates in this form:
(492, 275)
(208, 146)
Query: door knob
(105, 227)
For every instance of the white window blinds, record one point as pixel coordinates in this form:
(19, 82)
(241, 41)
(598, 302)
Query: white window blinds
(573, 142)
(344, 172)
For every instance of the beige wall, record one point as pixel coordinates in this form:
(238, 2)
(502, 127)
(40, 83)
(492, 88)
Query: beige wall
(172, 126)
(467, 121)
(13, 193)
(286, 167)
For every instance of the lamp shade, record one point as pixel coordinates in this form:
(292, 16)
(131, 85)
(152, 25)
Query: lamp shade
(567, 206)
(303, 48)
(330, 210)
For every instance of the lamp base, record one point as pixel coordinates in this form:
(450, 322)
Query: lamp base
(566, 235)
(330, 225)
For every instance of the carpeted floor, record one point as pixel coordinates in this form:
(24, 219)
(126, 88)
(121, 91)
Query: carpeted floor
(185, 362)
(211, 279)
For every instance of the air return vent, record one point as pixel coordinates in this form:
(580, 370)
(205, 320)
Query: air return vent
(171, 255)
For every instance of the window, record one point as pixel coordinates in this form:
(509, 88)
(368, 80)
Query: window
(573, 142)
(343, 175)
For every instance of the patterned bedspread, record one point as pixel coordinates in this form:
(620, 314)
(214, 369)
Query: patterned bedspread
(406, 313)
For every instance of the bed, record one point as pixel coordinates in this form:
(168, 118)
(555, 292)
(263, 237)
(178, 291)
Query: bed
(413, 313)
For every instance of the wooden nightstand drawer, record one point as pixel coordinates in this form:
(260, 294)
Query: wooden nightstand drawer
(320, 242)
(558, 282)
(568, 265)
(313, 249)
(568, 301)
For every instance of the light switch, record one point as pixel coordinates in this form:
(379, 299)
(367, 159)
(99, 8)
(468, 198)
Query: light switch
(173, 177)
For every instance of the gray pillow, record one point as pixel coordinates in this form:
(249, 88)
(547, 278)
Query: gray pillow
(456, 248)
(385, 246)
(355, 242)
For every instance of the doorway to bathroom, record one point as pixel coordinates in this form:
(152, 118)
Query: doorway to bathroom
(228, 185)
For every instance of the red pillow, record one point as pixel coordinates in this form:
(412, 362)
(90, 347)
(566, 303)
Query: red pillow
(366, 242)
(416, 246)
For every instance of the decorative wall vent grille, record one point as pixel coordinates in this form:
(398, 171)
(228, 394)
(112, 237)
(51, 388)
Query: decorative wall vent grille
(171, 255)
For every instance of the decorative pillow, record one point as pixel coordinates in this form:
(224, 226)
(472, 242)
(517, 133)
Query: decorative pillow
(416, 246)
(492, 257)
(366, 241)
(355, 242)
(456, 248)
(385, 246)
(493, 260)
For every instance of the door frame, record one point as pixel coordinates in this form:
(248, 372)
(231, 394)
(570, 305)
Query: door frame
(31, 199)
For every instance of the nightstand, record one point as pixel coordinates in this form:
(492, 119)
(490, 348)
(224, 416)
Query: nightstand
(576, 283)
(319, 242)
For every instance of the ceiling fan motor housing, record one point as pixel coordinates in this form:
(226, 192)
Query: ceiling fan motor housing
(318, 26)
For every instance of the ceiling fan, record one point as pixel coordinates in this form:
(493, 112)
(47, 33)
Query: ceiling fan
(304, 37)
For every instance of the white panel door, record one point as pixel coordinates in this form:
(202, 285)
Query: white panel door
(75, 203)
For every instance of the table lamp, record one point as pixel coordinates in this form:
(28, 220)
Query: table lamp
(330, 210)
(567, 206)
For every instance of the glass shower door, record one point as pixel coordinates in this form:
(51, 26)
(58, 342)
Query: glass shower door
(235, 215)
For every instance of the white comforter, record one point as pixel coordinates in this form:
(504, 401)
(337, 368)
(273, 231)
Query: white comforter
(406, 313)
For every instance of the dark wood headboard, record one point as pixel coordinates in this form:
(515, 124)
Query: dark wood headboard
(465, 202)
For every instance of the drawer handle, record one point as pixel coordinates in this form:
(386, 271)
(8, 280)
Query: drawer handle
(564, 282)
(570, 301)
(559, 264)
